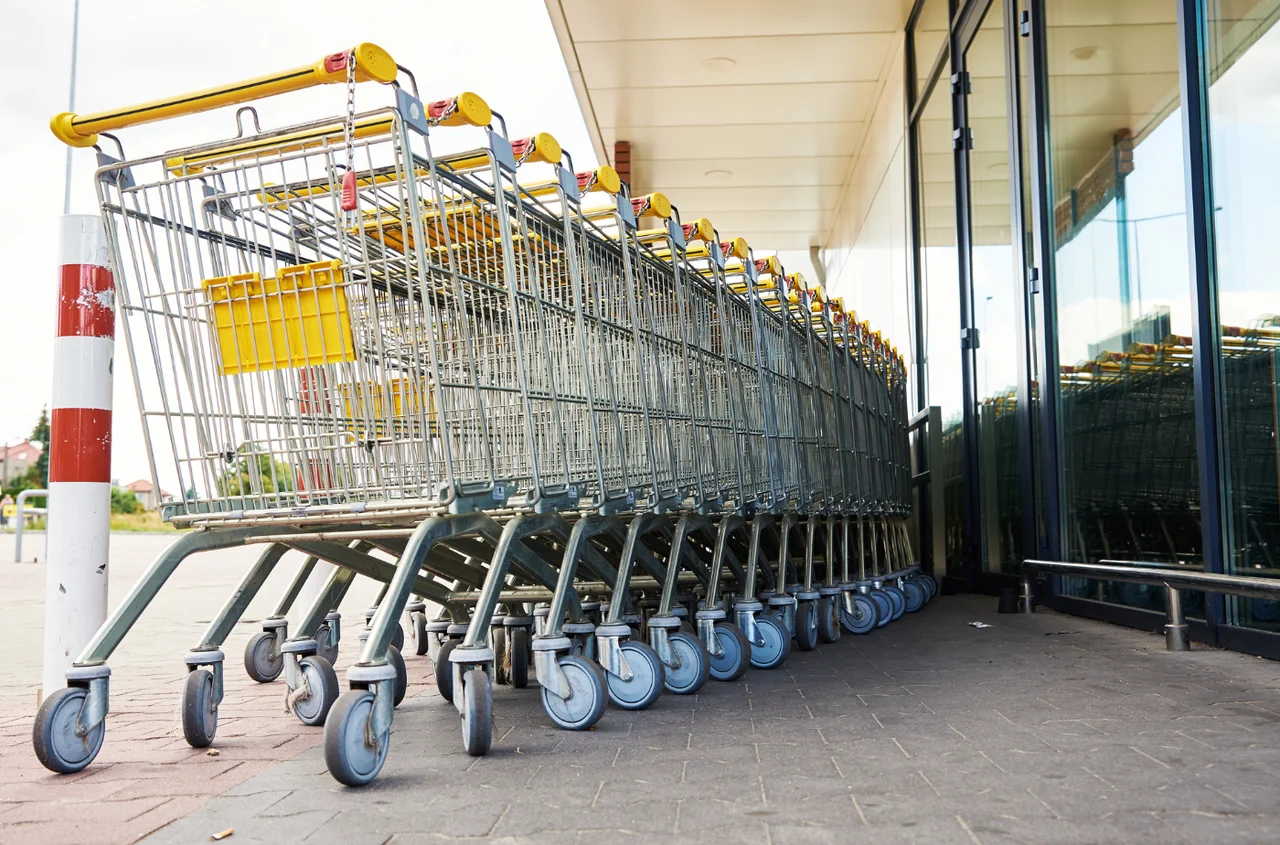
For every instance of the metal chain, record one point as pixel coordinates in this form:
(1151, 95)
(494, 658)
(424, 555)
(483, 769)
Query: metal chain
(349, 126)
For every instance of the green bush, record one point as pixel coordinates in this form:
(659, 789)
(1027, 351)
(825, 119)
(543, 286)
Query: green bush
(124, 501)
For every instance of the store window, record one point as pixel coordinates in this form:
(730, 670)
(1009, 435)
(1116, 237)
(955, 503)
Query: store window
(1124, 292)
(1244, 114)
(940, 286)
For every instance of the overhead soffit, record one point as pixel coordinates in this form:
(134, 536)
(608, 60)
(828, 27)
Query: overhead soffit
(749, 113)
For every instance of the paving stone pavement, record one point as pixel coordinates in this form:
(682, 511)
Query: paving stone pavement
(1043, 729)
(146, 775)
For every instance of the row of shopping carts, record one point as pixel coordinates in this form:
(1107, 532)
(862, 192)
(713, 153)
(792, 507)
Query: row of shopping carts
(564, 427)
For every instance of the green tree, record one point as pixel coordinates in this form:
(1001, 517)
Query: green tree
(40, 434)
(124, 501)
(253, 461)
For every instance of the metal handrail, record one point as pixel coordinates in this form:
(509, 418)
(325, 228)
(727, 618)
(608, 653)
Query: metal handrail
(1175, 630)
(21, 518)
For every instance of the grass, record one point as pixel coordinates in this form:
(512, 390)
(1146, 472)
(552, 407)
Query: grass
(143, 521)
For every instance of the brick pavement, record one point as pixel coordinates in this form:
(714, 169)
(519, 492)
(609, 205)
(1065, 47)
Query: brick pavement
(1045, 729)
(146, 775)
(1042, 729)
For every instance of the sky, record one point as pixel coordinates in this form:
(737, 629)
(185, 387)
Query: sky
(504, 50)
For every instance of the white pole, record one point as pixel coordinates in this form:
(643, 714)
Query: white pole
(71, 104)
(79, 511)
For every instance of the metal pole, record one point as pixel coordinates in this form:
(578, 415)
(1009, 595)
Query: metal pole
(79, 520)
(1175, 631)
(17, 534)
(71, 103)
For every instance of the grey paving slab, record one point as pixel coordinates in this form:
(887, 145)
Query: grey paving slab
(1044, 729)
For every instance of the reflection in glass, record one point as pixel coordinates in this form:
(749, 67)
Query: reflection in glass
(1244, 62)
(939, 274)
(997, 298)
(1124, 292)
(928, 38)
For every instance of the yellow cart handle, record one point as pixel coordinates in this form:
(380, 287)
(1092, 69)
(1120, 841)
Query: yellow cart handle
(372, 63)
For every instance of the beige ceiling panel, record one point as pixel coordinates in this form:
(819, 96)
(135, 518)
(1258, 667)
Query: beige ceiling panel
(623, 20)
(1114, 95)
(1108, 50)
(771, 239)
(730, 223)
(755, 61)
(1110, 12)
(705, 201)
(747, 141)
(747, 172)
(729, 104)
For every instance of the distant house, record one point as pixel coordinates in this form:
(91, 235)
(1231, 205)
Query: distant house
(17, 459)
(147, 495)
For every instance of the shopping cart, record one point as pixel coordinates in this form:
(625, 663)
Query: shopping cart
(456, 374)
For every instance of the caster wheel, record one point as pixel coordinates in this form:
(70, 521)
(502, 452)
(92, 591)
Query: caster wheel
(828, 619)
(914, 594)
(587, 697)
(421, 645)
(687, 628)
(397, 637)
(775, 645)
(694, 664)
(731, 665)
(807, 625)
(864, 616)
(352, 759)
(258, 661)
(477, 713)
(325, 647)
(646, 677)
(199, 713)
(898, 599)
(884, 608)
(444, 671)
(322, 688)
(54, 733)
(930, 587)
(518, 645)
(402, 674)
(501, 656)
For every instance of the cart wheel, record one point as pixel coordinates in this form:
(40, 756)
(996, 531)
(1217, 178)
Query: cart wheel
(587, 697)
(775, 645)
(257, 658)
(884, 607)
(501, 655)
(477, 713)
(828, 619)
(519, 647)
(199, 713)
(420, 642)
(351, 759)
(807, 625)
(402, 674)
(914, 593)
(695, 664)
(322, 686)
(646, 677)
(898, 599)
(733, 641)
(930, 587)
(687, 628)
(325, 647)
(444, 672)
(397, 637)
(864, 617)
(54, 734)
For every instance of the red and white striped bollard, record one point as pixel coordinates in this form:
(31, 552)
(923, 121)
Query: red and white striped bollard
(79, 518)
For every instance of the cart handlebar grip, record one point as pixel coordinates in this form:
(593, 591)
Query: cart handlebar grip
(652, 205)
(372, 64)
(735, 248)
(466, 109)
(603, 178)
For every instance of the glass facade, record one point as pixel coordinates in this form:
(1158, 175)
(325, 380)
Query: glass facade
(1244, 65)
(1063, 290)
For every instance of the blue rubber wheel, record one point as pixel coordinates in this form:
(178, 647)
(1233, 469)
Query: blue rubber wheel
(914, 593)
(884, 607)
(862, 616)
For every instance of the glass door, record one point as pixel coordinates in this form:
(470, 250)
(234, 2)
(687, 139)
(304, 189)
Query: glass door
(996, 292)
